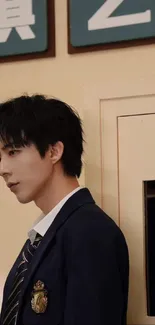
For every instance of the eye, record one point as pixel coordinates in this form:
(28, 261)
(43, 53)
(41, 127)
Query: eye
(12, 152)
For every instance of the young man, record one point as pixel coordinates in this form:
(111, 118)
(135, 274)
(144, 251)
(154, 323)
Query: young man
(73, 269)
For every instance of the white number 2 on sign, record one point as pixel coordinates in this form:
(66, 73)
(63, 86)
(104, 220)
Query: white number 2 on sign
(102, 20)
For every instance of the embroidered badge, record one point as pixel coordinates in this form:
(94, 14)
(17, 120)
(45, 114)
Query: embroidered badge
(39, 300)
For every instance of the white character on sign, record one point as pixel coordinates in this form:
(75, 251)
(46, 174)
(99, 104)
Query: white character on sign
(102, 18)
(16, 14)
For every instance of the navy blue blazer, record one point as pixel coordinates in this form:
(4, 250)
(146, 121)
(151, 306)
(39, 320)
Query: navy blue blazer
(83, 263)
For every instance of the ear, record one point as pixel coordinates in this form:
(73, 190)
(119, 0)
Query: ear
(56, 152)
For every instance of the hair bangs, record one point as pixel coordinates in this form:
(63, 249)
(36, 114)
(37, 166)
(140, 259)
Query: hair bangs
(13, 134)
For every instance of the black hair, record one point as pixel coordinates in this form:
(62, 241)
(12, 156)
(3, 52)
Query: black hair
(43, 121)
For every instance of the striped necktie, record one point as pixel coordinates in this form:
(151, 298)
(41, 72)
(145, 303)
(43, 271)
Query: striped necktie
(11, 310)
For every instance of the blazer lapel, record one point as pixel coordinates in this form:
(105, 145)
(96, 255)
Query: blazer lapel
(80, 198)
(10, 279)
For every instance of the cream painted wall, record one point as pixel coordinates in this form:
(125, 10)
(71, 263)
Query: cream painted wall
(68, 78)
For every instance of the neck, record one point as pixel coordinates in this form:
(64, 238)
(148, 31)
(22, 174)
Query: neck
(55, 191)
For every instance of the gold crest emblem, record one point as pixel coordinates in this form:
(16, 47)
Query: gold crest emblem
(39, 298)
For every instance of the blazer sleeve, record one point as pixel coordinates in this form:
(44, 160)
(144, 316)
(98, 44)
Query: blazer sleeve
(97, 279)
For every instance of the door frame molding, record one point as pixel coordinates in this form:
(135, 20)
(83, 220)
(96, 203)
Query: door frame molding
(97, 126)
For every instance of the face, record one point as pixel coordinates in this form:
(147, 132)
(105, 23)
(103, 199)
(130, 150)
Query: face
(26, 169)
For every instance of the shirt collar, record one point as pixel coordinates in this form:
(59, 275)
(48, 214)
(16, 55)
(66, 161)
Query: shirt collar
(44, 222)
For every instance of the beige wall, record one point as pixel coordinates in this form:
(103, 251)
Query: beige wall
(68, 78)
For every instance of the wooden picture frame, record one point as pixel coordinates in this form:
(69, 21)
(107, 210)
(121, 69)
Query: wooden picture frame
(103, 47)
(50, 52)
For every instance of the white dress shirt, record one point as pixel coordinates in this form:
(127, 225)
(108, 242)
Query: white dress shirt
(44, 222)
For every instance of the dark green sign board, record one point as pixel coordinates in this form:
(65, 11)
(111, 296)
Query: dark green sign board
(24, 27)
(94, 22)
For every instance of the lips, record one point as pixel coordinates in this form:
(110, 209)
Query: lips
(11, 185)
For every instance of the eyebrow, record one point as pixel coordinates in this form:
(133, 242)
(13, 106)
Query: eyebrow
(8, 145)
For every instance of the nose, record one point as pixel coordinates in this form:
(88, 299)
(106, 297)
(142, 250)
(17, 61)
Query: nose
(4, 169)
